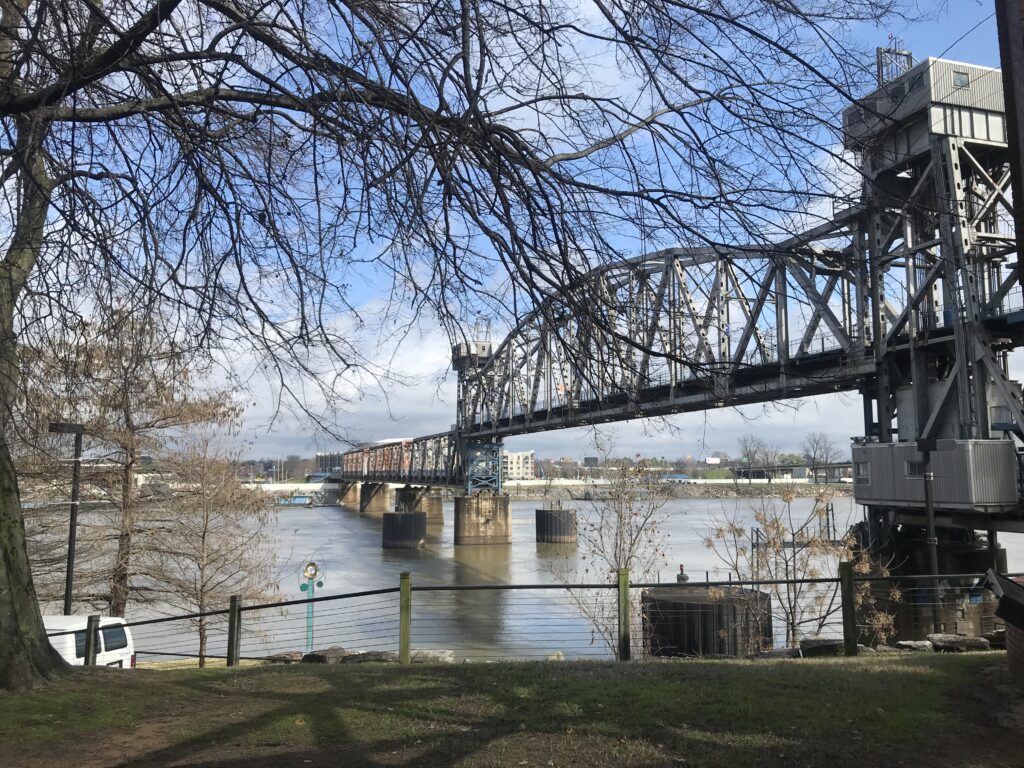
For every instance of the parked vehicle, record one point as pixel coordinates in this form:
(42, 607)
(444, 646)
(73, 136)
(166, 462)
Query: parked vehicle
(114, 645)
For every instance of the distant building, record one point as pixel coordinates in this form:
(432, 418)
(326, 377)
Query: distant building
(518, 465)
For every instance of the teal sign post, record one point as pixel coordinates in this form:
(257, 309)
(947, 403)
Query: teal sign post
(311, 572)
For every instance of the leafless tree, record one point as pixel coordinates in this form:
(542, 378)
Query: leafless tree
(244, 163)
(207, 539)
(127, 381)
(46, 535)
(785, 546)
(819, 450)
(622, 529)
(751, 450)
(771, 455)
(758, 453)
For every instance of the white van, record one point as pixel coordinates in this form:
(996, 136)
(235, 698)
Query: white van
(113, 649)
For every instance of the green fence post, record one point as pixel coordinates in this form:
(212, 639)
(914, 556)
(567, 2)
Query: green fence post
(404, 617)
(623, 614)
(234, 629)
(849, 608)
(92, 636)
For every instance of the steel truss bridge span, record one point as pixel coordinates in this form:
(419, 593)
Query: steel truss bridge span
(683, 330)
(676, 331)
(912, 297)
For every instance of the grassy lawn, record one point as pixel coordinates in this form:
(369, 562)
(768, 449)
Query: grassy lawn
(925, 709)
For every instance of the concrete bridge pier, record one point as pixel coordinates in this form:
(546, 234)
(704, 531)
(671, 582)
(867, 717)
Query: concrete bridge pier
(481, 519)
(420, 498)
(375, 499)
(348, 494)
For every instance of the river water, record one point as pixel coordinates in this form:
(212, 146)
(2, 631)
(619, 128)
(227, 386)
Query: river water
(524, 623)
(347, 546)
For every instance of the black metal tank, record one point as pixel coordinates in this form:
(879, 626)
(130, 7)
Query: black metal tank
(702, 621)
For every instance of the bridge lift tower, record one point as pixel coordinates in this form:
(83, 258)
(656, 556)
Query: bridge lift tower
(481, 459)
(943, 420)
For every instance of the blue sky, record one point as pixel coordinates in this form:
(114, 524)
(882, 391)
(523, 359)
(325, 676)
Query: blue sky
(941, 37)
(966, 32)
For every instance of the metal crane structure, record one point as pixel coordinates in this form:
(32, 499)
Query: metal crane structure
(910, 296)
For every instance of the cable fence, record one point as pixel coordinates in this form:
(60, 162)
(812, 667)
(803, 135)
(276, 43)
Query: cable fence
(528, 622)
(197, 636)
(355, 623)
(604, 621)
(912, 607)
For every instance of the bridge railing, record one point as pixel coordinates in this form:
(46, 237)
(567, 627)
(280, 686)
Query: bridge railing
(619, 620)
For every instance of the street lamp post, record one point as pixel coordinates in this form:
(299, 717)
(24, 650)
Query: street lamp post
(311, 571)
(63, 428)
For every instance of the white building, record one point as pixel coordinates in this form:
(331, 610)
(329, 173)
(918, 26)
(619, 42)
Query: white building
(517, 465)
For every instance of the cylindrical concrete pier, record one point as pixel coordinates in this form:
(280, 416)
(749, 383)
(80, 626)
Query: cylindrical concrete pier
(403, 530)
(482, 520)
(556, 526)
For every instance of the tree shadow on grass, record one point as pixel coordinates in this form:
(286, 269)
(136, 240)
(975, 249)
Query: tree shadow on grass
(582, 714)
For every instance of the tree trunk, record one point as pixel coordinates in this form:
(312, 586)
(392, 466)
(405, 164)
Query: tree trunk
(202, 641)
(26, 657)
(120, 576)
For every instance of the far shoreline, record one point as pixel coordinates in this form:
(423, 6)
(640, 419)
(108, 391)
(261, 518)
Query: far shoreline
(722, 490)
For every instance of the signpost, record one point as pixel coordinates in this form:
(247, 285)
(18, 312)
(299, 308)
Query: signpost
(311, 572)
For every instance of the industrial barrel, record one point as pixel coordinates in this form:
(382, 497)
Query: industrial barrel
(556, 526)
(703, 621)
(403, 530)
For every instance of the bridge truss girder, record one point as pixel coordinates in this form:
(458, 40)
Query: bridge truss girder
(432, 460)
(909, 289)
(683, 330)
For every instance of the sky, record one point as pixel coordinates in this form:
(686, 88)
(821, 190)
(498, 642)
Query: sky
(965, 31)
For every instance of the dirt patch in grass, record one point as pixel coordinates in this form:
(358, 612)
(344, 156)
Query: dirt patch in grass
(921, 710)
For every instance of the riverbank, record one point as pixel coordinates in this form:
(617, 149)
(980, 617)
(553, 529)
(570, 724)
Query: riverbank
(722, 490)
(930, 710)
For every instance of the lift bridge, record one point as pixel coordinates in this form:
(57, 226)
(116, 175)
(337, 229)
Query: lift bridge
(909, 296)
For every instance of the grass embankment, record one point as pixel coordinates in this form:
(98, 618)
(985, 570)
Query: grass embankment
(928, 710)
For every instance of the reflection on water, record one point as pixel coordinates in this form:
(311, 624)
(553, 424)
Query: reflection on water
(482, 564)
(478, 615)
